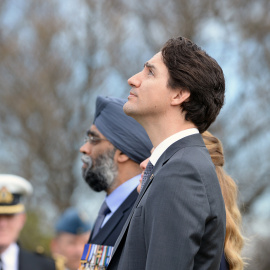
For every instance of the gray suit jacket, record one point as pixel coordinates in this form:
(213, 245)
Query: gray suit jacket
(178, 220)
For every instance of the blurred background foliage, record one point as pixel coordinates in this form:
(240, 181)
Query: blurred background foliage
(34, 237)
(57, 56)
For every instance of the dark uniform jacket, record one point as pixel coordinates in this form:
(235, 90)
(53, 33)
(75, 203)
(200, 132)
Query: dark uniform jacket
(34, 261)
(109, 233)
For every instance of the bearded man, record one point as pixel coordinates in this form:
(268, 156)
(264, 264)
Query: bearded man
(114, 148)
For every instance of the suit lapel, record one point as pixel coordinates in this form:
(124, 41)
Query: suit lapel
(192, 140)
(107, 229)
(147, 184)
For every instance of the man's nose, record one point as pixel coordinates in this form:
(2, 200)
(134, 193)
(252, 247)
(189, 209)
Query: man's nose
(86, 148)
(135, 81)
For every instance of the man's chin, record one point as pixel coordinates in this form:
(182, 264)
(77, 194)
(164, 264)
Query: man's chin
(95, 184)
(127, 108)
(97, 188)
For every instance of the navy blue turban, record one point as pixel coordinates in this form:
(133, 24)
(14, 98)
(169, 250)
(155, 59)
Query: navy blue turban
(121, 130)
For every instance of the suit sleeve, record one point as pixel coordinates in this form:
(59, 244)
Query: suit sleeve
(178, 215)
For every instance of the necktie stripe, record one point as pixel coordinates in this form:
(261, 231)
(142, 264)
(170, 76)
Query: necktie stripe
(147, 173)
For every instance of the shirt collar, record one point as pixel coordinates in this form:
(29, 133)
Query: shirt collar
(117, 197)
(161, 148)
(10, 257)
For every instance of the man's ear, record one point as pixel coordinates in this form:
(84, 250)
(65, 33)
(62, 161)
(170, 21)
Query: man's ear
(179, 96)
(120, 157)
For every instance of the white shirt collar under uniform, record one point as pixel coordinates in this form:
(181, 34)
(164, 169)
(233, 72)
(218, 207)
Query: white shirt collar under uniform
(10, 257)
(163, 146)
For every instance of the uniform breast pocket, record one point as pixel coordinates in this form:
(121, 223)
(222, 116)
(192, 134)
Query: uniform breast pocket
(138, 211)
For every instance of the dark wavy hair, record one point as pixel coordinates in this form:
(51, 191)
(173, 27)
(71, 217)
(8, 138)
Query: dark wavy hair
(192, 69)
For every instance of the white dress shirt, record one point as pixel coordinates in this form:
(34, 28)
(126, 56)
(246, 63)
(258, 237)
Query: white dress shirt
(10, 257)
(162, 147)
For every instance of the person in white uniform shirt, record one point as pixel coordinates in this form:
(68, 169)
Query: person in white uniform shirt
(12, 220)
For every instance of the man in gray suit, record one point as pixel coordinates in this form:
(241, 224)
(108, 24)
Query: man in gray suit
(178, 220)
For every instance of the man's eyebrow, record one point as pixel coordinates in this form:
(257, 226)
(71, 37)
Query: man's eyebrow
(149, 65)
(91, 133)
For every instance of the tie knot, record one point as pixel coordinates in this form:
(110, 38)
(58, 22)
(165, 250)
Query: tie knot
(147, 173)
(104, 209)
(149, 166)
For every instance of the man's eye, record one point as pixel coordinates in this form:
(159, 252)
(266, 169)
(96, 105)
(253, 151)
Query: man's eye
(95, 140)
(150, 72)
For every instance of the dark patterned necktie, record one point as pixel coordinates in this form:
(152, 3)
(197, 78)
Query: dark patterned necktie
(147, 173)
(104, 210)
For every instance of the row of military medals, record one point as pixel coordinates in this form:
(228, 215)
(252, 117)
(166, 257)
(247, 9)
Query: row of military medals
(95, 257)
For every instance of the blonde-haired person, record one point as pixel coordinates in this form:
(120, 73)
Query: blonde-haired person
(234, 239)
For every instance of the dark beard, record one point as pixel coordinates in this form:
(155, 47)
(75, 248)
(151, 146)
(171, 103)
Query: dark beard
(96, 181)
(102, 175)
